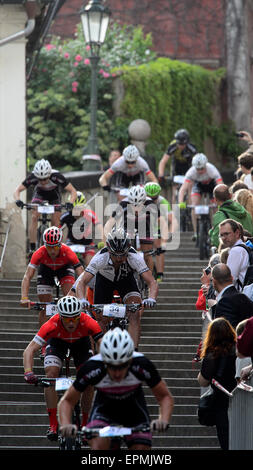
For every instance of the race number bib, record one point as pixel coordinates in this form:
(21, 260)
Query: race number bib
(114, 310)
(46, 209)
(63, 383)
(51, 310)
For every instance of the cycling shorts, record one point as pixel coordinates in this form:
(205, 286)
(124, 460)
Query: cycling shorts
(80, 350)
(45, 278)
(129, 412)
(53, 197)
(104, 288)
(201, 188)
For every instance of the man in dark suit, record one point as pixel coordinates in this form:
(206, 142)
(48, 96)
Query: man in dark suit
(231, 304)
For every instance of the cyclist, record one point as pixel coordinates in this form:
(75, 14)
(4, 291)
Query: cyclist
(132, 168)
(71, 329)
(153, 191)
(53, 259)
(80, 223)
(180, 153)
(139, 215)
(201, 178)
(47, 185)
(114, 268)
(117, 373)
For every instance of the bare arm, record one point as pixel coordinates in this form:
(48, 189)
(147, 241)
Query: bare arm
(104, 179)
(79, 270)
(151, 177)
(202, 382)
(84, 279)
(184, 190)
(151, 282)
(25, 285)
(165, 401)
(18, 190)
(73, 194)
(66, 406)
(162, 164)
(28, 355)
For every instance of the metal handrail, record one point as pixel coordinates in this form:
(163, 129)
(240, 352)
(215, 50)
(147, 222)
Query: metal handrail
(4, 245)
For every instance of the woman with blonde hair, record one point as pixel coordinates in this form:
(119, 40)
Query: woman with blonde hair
(245, 198)
(218, 356)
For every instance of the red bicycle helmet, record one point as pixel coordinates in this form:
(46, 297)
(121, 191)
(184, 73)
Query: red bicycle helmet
(52, 236)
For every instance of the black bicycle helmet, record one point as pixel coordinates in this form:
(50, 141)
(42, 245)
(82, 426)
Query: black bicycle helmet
(182, 136)
(118, 241)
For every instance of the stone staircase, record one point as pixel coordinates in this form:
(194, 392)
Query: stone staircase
(170, 336)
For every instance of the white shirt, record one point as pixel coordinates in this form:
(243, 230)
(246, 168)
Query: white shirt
(238, 261)
(211, 173)
(121, 165)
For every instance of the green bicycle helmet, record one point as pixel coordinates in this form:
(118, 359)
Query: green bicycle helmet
(80, 199)
(152, 189)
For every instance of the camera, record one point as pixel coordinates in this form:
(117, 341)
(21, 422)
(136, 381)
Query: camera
(239, 134)
(208, 270)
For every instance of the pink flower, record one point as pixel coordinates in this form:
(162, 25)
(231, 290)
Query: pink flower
(49, 47)
(76, 64)
(101, 71)
(74, 89)
(106, 75)
(87, 47)
(86, 61)
(66, 55)
(78, 58)
(74, 84)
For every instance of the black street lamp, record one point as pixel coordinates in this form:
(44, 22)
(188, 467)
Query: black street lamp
(95, 19)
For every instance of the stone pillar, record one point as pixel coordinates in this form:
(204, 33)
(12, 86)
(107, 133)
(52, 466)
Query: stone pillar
(13, 133)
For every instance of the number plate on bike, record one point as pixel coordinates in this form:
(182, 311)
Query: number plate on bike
(63, 383)
(78, 248)
(113, 431)
(178, 179)
(46, 209)
(114, 310)
(51, 310)
(201, 210)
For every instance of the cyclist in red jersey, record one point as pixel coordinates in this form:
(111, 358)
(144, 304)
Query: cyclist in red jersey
(68, 329)
(53, 259)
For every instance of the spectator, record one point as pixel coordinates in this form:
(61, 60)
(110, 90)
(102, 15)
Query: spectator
(228, 209)
(248, 180)
(245, 346)
(231, 304)
(241, 362)
(245, 198)
(245, 161)
(218, 354)
(114, 155)
(236, 186)
(238, 259)
(224, 255)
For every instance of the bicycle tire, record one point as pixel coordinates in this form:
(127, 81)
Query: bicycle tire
(40, 232)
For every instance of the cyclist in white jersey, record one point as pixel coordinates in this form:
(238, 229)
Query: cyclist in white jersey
(201, 178)
(131, 168)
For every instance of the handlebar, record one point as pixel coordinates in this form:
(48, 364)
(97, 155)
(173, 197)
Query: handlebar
(112, 431)
(43, 204)
(98, 308)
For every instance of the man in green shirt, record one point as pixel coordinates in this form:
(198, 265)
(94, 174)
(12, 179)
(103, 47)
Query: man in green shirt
(228, 209)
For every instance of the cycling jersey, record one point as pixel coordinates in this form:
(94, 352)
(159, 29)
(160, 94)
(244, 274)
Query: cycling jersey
(181, 159)
(143, 221)
(46, 192)
(139, 166)
(54, 328)
(66, 257)
(210, 174)
(102, 263)
(119, 402)
(80, 228)
(162, 201)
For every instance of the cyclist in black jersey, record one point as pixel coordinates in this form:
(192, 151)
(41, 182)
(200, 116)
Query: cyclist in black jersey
(117, 373)
(180, 153)
(47, 184)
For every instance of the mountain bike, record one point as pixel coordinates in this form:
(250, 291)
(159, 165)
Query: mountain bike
(45, 210)
(204, 224)
(116, 312)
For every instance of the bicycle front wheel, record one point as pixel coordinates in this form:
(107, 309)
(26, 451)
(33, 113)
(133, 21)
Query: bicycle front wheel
(203, 240)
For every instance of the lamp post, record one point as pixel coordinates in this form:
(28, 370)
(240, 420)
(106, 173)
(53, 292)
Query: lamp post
(95, 19)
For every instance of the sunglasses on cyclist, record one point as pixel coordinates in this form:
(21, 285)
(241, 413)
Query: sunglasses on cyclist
(116, 255)
(71, 319)
(43, 179)
(118, 367)
(130, 163)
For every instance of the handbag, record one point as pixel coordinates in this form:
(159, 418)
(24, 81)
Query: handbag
(207, 406)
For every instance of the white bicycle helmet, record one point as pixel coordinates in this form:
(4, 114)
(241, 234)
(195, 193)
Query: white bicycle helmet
(137, 195)
(42, 169)
(199, 160)
(118, 241)
(69, 306)
(116, 347)
(131, 153)
(52, 236)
